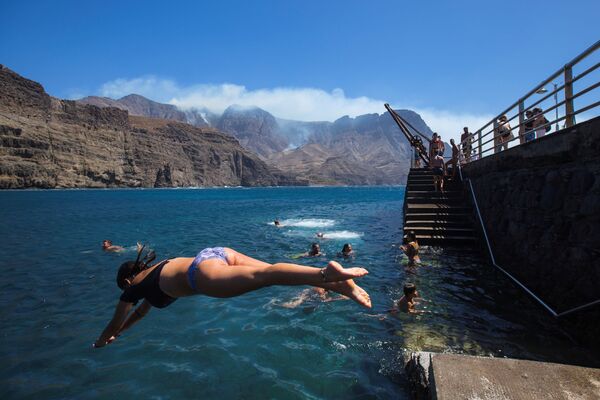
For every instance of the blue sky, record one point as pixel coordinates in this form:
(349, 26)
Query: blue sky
(459, 60)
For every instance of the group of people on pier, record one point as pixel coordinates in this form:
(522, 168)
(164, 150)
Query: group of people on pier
(535, 126)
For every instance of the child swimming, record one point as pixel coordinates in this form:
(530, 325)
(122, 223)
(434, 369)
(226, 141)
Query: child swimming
(406, 303)
(411, 248)
(346, 252)
(315, 293)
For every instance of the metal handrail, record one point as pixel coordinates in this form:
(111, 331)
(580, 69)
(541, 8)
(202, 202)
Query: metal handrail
(481, 137)
(508, 274)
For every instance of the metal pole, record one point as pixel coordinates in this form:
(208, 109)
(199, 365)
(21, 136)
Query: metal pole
(479, 143)
(556, 104)
(569, 109)
(521, 122)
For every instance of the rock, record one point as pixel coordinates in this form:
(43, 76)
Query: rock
(47, 142)
(417, 367)
(581, 181)
(590, 205)
(256, 129)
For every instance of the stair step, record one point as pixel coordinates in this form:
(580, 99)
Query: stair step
(430, 190)
(438, 200)
(422, 173)
(433, 240)
(436, 217)
(451, 194)
(446, 231)
(429, 182)
(432, 207)
(467, 223)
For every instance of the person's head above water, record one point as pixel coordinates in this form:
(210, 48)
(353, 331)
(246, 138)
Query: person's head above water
(106, 244)
(347, 248)
(314, 249)
(410, 289)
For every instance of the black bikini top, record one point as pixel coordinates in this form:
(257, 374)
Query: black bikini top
(149, 289)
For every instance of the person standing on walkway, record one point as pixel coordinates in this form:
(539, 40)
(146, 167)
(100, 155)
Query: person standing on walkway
(466, 140)
(529, 132)
(433, 147)
(502, 134)
(454, 160)
(439, 170)
(540, 123)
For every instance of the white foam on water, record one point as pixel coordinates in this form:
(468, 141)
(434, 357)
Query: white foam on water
(342, 235)
(307, 223)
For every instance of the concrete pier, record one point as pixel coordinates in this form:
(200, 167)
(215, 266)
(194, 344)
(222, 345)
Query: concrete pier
(454, 376)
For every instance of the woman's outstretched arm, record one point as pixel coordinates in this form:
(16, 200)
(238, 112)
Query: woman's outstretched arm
(115, 324)
(137, 314)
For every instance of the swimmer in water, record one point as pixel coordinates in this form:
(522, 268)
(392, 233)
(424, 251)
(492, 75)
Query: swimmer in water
(277, 223)
(216, 272)
(406, 303)
(346, 252)
(411, 248)
(320, 235)
(316, 293)
(315, 251)
(108, 246)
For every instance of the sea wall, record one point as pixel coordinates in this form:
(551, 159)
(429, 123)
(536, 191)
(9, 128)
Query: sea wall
(540, 203)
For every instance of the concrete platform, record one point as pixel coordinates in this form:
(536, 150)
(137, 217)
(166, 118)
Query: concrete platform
(453, 376)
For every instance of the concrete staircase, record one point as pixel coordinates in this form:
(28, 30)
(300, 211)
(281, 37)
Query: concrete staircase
(438, 219)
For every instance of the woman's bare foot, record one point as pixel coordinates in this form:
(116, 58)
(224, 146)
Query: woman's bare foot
(335, 272)
(350, 289)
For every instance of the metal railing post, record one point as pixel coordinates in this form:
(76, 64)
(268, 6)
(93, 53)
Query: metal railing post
(479, 143)
(569, 109)
(521, 121)
(494, 133)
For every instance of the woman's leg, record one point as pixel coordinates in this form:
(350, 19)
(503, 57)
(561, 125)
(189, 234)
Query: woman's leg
(237, 258)
(215, 279)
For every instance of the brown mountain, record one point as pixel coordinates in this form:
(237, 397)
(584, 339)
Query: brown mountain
(47, 142)
(256, 129)
(139, 105)
(366, 150)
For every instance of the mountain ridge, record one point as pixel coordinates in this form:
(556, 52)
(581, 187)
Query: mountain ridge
(47, 142)
(370, 146)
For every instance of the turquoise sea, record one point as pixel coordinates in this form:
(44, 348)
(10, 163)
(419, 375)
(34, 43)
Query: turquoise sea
(57, 292)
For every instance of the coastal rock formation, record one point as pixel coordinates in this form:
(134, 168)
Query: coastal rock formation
(141, 106)
(256, 129)
(48, 143)
(366, 150)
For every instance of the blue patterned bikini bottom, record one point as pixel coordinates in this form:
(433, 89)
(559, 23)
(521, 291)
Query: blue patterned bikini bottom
(206, 254)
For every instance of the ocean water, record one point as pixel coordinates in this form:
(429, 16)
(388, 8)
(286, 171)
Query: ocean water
(58, 291)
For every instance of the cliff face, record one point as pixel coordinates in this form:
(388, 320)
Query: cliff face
(256, 129)
(366, 150)
(141, 106)
(47, 143)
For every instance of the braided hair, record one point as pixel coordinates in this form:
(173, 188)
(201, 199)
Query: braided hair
(129, 269)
